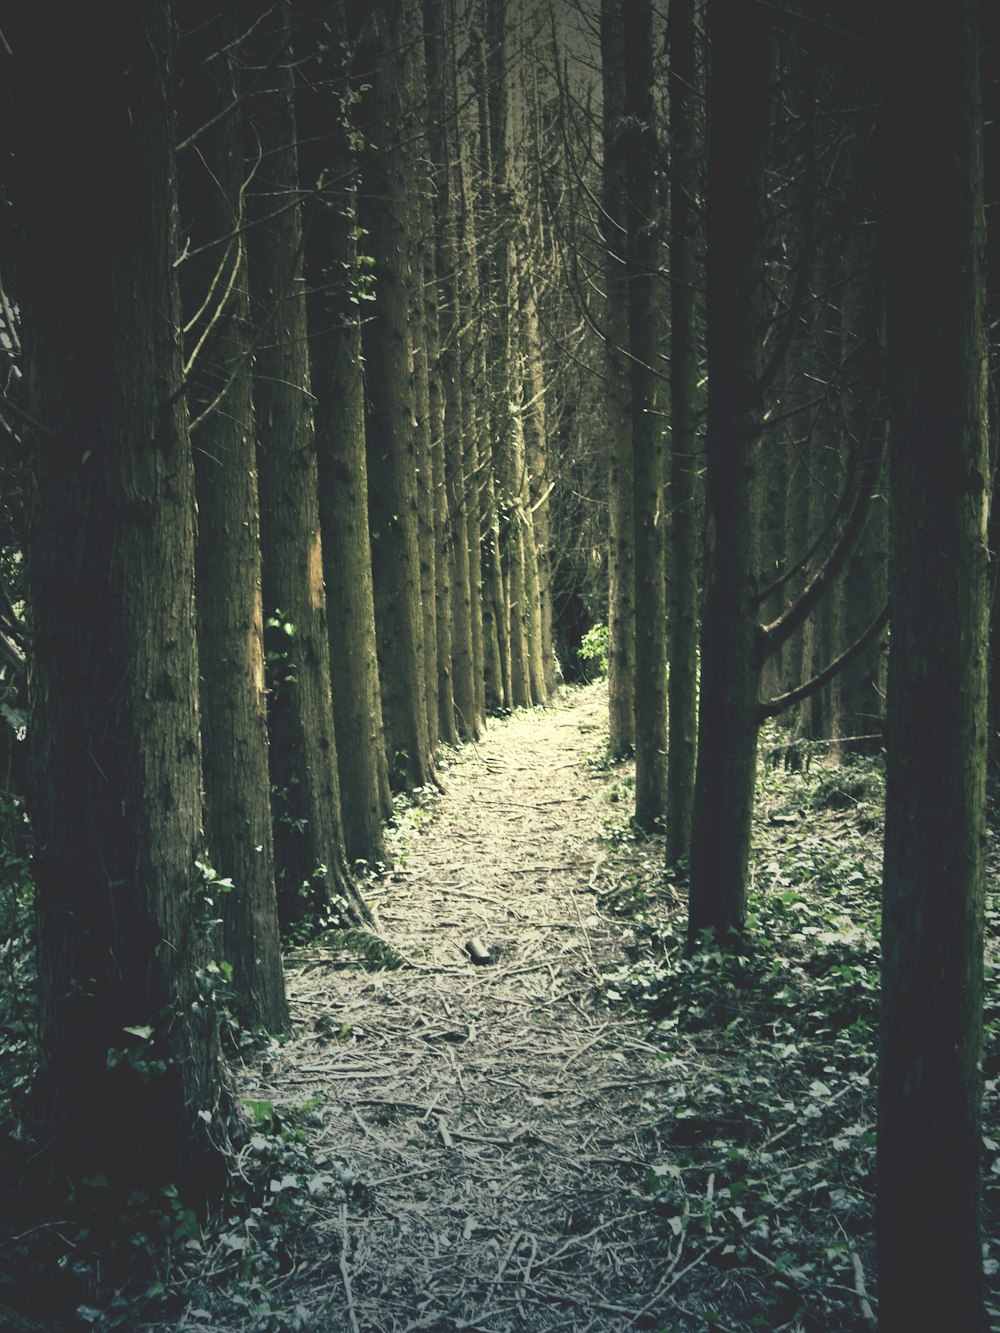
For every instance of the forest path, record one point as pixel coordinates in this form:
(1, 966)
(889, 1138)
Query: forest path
(498, 1120)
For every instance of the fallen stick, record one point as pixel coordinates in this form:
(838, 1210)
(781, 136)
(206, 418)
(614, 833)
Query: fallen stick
(867, 1313)
(345, 1275)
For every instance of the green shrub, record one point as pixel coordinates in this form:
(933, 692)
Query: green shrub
(593, 651)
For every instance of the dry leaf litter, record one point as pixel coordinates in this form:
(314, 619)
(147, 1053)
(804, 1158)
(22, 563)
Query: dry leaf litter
(496, 1119)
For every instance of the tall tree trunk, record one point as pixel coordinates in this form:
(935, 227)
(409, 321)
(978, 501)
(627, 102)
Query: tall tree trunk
(441, 119)
(133, 1081)
(420, 239)
(621, 500)
(230, 609)
(444, 538)
(472, 358)
(494, 422)
(313, 880)
(642, 229)
(930, 1075)
(731, 654)
(807, 521)
(394, 456)
(534, 498)
(990, 79)
(684, 556)
(441, 683)
(867, 575)
(333, 308)
(515, 483)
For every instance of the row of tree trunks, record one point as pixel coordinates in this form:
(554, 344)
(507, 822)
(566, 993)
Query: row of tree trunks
(301, 469)
(460, 608)
(132, 1061)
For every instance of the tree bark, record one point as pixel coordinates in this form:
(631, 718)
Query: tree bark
(864, 682)
(621, 500)
(731, 655)
(423, 354)
(313, 881)
(930, 1077)
(133, 1082)
(230, 609)
(493, 417)
(535, 492)
(642, 231)
(334, 301)
(393, 448)
(472, 361)
(442, 129)
(684, 499)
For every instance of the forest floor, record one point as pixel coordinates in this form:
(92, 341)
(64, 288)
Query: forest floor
(587, 1131)
(497, 1119)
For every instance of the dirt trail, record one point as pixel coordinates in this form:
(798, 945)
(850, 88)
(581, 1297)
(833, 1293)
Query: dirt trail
(498, 1120)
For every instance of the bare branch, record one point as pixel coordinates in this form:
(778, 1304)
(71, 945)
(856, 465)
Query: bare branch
(782, 702)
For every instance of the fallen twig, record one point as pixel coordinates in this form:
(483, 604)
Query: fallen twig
(867, 1313)
(345, 1275)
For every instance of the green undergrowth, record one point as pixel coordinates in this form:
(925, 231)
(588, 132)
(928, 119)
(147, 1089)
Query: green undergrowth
(152, 1260)
(761, 1127)
(77, 1256)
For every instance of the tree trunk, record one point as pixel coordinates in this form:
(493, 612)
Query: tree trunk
(333, 307)
(230, 610)
(493, 417)
(621, 501)
(930, 1075)
(684, 502)
(472, 361)
(439, 657)
(394, 456)
(639, 154)
(518, 533)
(731, 654)
(534, 499)
(133, 1081)
(990, 79)
(313, 881)
(420, 240)
(441, 138)
(867, 574)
